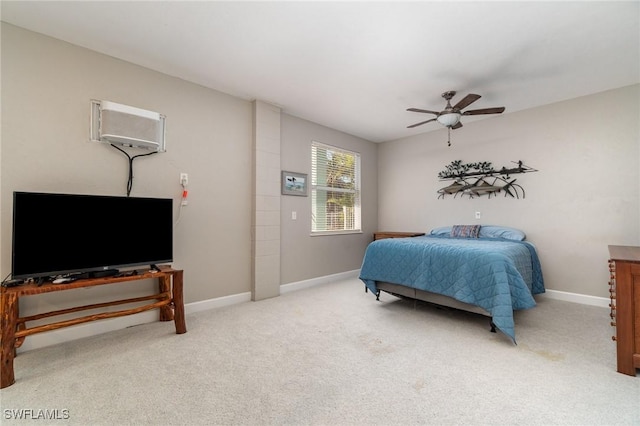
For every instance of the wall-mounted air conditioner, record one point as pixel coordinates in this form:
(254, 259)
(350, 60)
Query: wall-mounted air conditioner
(127, 126)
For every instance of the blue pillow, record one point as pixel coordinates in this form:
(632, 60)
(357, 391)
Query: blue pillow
(444, 230)
(492, 231)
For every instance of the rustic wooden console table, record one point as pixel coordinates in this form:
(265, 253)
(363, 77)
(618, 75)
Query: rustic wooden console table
(169, 300)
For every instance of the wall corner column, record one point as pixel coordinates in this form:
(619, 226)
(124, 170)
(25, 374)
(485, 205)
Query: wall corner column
(265, 227)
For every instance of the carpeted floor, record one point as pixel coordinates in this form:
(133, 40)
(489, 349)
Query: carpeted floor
(333, 355)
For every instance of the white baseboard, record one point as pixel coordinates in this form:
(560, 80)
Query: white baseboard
(80, 331)
(286, 288)
(218, 302)
(88, 329)
(583, 299)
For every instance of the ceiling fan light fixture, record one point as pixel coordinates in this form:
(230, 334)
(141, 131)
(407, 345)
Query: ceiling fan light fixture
(449, 119)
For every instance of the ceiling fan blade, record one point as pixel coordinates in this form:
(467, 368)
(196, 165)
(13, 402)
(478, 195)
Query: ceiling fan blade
(456, 126)
(421, 123)
(466, 101)
(496, 110)
(423, 110)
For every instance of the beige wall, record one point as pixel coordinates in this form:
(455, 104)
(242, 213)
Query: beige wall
(304, 256)
(46, 88)
(584, 197)
(47, 85)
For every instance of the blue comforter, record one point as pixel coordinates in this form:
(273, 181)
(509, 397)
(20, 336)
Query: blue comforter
(497, 275)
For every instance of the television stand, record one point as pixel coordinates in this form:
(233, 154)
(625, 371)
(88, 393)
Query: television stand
(169, 301)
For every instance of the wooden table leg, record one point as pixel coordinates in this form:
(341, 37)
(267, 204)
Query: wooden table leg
(178, 303)
(9, 317)
(164, 284)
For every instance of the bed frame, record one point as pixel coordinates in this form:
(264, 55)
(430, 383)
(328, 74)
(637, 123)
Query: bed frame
(434, 298)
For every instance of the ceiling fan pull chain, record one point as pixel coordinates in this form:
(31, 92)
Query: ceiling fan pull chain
(449, 136)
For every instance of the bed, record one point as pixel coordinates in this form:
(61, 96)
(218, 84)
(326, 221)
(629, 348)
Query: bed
(491, 270)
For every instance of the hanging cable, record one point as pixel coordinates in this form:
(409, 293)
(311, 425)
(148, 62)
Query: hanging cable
(183, 200)
(130, 180)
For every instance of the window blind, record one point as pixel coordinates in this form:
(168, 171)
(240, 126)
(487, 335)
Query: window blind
(335, 189)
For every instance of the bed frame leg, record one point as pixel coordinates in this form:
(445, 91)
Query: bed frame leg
(493, 326)
(366, 290)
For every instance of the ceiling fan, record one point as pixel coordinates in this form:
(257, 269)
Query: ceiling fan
(450, 116)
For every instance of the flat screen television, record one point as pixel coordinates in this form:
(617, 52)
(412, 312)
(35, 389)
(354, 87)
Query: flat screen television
(67, 234)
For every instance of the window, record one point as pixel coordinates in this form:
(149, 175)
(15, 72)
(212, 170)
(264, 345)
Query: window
(335, 190)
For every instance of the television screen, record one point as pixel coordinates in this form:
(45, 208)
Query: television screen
(62, 234)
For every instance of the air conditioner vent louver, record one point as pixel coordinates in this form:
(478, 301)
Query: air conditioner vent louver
(127, 126)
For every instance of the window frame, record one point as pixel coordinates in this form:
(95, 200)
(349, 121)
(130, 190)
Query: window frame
(313, 188)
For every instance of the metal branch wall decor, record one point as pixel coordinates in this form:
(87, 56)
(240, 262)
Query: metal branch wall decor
(477, 179)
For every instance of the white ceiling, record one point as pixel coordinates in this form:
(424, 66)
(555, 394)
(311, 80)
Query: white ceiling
(357, 66)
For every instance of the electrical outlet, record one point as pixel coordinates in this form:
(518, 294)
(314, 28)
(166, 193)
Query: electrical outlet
(294, 215)
(184, 179)
(478, 215)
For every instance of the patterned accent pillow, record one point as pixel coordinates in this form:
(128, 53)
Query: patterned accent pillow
(465, 231)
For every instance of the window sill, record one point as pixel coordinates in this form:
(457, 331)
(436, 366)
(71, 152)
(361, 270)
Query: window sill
(324, 233)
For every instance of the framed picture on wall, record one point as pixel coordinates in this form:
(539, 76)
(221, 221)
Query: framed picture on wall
(294, 183)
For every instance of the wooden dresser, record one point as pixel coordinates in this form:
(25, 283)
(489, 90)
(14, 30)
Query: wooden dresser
(624, 288)
(381, 235)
